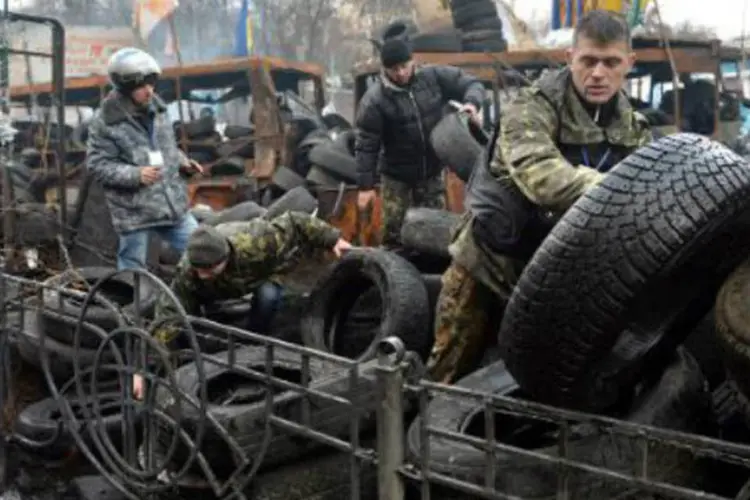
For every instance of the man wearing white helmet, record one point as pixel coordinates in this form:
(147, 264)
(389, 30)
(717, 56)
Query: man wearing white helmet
(133, 153)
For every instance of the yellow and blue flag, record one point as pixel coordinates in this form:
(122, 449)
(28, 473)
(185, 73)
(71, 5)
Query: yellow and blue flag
(243, 35)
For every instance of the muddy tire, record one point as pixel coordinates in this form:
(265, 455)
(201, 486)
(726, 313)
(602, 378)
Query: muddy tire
(678, 400)
(733, 325)
(632, 267)
(298, 199)
(401, 290)
(428, 230)
(119, 290)
(244, 418)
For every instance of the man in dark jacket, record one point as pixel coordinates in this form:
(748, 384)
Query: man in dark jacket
(132, 152)
(556, 140)
(397, 114)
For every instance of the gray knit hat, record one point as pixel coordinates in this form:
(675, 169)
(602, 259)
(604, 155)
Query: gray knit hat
(207, 247)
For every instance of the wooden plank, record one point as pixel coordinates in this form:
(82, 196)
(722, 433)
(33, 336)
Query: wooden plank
(267, 121)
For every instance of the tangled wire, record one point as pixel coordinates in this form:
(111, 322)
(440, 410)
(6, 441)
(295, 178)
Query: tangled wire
(138, 470)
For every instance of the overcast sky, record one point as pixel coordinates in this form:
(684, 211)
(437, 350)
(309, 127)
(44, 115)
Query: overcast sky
(723, 15)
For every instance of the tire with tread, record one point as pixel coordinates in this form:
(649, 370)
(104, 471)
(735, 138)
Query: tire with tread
(631, 268)
(402, 291)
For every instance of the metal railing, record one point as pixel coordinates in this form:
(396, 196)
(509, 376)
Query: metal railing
(228, 409)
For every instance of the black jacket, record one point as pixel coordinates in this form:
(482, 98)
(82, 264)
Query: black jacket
(400, 119)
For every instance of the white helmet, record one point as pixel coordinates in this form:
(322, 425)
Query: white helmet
(129, 68)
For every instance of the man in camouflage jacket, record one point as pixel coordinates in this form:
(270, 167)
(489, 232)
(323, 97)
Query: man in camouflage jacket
(398, 113)
(555, 140)
(216, 268)
(132, 152)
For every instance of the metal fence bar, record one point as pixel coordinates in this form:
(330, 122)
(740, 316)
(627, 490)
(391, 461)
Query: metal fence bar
(390, 419)
(389, 386)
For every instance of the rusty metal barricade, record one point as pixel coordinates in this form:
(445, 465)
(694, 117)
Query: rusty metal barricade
(176, 437)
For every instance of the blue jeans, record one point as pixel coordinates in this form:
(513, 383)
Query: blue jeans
(265, 302)
(133, 250)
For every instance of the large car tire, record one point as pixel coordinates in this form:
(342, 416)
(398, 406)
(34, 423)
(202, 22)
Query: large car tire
(628, 272)
(402, 291)
(678, 400)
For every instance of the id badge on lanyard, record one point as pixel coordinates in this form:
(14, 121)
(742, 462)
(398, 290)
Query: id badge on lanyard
(155, 156)
(155, 159)
(602, 160)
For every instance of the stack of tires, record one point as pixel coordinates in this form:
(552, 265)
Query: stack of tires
(56, 317)
(479, 24)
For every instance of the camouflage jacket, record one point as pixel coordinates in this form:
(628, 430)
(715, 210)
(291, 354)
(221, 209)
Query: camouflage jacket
(263, 250)
(119, 144)
(544, 135)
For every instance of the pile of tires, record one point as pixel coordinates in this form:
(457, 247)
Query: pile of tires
(476, 28)
(649, 325)
(53, 319)
(479, 24)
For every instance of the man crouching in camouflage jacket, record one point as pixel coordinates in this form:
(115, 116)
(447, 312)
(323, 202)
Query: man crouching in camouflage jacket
(132, 152)
(556, 140)
(216, 268)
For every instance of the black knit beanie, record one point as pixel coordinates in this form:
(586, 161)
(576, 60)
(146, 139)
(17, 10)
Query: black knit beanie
(207, 247)
(394, 52)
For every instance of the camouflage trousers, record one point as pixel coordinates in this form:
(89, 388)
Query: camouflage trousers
(467, 317)
(398, 197)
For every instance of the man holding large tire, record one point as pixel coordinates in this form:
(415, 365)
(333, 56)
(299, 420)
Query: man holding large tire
(397, 114)
(555, 140)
